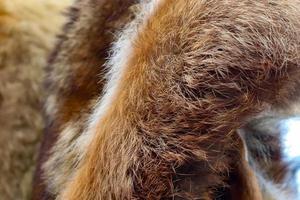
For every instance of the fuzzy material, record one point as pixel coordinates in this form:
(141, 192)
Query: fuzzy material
(181, 78)
(74, 94)
(27, 34)
(265, 140)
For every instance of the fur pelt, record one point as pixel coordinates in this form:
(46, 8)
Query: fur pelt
(27, 34)
(159, 119)
(268, 155)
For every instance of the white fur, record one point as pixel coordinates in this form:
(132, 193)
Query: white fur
(291, 151)
(117, 63)
(72, 144)
(274, 191)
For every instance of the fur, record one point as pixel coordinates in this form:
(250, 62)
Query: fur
(82, 72)
(270, 158)
(182, 78)
(27, 34)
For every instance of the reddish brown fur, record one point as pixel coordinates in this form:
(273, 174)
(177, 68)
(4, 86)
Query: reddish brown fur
(198, 71)
(78, 89)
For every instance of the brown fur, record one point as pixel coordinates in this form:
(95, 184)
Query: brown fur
(198, 71)
(75, 93)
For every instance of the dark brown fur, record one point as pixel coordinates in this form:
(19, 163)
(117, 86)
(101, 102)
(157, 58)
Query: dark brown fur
(79, 88)
(198, 71)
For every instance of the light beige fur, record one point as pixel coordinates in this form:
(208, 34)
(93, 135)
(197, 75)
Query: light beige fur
(27, 33)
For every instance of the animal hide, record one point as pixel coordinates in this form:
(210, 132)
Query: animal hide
(27, 34)
(145, 97)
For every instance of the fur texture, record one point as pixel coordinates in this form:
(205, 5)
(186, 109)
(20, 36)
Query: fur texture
(182, 77)
(27, 33)
(267, 155)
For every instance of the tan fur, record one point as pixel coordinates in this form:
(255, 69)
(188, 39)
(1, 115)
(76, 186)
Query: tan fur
(74, 94)
(27, 33)
(197, 71)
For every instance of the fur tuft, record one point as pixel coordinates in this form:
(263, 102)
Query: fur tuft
(183, 77)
